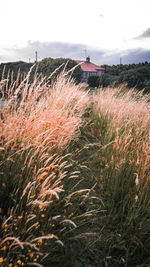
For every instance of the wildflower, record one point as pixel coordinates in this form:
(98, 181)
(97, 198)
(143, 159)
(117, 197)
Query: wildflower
(31, 255)
(11, 195)
(37, 256)
(35, 259)
(4, 248)
(33, 196)
(10, 265)
(20, 217)
(1, 260)
(29, 250)
(19, 262)
(40, 207)
(42, 215)
(16, 228)
(6, 225)
(70, 204)
(39, 242)
(3, 184)
(71, 214)
(5, 230)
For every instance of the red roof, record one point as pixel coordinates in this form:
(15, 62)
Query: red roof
(89, 66)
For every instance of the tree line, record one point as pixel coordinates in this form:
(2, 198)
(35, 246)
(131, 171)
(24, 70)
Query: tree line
(134, 75)
(44, 67)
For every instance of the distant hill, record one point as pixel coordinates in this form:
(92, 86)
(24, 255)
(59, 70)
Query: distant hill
(45, 67)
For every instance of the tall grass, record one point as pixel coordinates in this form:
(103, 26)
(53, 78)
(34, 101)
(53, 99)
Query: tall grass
(74, 175)
(121, 127)
(38, 121)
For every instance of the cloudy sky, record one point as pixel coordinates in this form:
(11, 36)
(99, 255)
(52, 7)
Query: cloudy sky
(106, 30)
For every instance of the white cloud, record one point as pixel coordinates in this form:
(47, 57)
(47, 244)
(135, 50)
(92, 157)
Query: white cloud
(104, 25)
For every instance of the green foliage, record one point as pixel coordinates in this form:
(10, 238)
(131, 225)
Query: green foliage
(135, 75)
(13, 68)
(107, 80)
(139, 77)
(48, 65)
(93, 81)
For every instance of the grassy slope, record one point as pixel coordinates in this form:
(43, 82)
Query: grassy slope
(97, 151)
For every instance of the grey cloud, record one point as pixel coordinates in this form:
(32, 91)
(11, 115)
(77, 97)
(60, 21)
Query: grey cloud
(74, 51)
(145, 34)
(58, 49)
(136, 56)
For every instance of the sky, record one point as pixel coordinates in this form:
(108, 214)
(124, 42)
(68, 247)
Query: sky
(109, 31)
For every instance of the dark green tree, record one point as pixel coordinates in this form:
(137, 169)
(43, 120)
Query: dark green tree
(93, 81)
(48, 65)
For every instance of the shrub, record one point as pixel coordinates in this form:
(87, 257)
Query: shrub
(93, 81)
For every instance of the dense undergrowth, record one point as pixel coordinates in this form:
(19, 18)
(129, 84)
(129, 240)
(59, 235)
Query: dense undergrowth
(74, 176)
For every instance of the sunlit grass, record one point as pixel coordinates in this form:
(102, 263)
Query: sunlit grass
(74, 175)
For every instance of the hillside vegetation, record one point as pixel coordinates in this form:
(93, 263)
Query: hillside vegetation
(74, 175)
(134, 75)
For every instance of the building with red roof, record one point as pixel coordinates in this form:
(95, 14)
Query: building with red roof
(89, 69)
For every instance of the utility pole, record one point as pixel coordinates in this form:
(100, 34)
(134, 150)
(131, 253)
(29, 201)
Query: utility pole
(120, 60)
(36, 56)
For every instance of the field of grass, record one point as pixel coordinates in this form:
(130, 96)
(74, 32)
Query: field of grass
(74, 175)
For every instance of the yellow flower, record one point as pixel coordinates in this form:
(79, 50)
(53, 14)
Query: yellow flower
(16, 228)
(37, 256)
(1, 260)
(12, 195)
(3, 184)
(5, 230)
(40, 206)
(39, 242)
(31, 255)
(33, 196)
(10, 264)
(6, 225)
(29, 250)
(4, 248)
(20, 217)
(19, 262)
(35, 260)
(42, 215)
